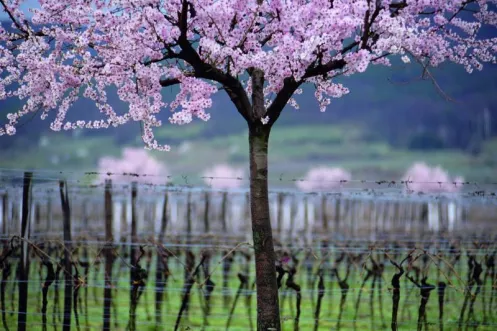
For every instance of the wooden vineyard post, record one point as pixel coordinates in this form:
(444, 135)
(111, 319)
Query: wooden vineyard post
(305, 220)
(15, 216)
(337, 214)
(280, 215)
(49, 216)
(5, 215)
(161, 267)
(133, 253)
(371, 217)
(224, 206)
(353, 206)
(163, 225)
(134, 239)
(24, 266)
(324, 214)
(189, 219)
(109, 256)
(206, 212)
(124, 221)
(293, 214)
(66, 218)
(37, 217)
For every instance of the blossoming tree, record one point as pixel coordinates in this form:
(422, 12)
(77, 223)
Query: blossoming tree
(134, 165)
(223, 177)
(259, 52)
(323, 179)
(431, 180)
(422, 178)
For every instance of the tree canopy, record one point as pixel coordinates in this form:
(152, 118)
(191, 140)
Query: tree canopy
(70, 49)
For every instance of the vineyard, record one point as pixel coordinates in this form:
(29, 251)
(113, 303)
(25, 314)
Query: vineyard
(179, 257)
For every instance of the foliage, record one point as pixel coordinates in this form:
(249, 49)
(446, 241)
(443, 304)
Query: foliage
(223, 177)
(427, 179)
(323, 179)
(134, 161)
(67, 51)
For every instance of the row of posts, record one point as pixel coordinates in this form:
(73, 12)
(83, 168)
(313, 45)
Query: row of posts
(196, 212)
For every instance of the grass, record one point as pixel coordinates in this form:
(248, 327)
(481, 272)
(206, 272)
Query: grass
(368, 318)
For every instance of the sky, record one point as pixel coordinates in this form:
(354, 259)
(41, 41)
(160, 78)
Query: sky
(28, 4)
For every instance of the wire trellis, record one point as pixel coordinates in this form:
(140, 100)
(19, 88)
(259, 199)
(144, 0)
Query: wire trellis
(134, 258)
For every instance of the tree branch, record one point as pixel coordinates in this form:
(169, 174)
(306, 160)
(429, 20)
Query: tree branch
(11, 16)
(324, 68)
(232, 86)
(169, 82)
(290, 85)
(281, 99)
(427, 72)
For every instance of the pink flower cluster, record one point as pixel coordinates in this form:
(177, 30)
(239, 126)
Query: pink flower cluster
(223, 177)
(137, 164)
(72, 48)
(423, 178)
(321, 179)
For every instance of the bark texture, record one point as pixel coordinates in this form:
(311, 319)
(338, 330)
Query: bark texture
(109, 256)
(267, 289)
(24, 263)
(68, 285)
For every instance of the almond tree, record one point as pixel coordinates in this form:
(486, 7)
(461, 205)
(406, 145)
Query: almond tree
(223, 177)
(322, 179)
(423, 178)
(135, 165)
(259, 52)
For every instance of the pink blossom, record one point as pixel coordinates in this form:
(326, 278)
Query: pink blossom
(70, 49)
(423, 178)
(323, 179)
(224, 177)
(137, 164)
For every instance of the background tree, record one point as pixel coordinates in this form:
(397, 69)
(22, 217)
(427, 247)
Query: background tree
(428, 179)
(258, 52)
(323, 179)
(135, 165)
(223, 177)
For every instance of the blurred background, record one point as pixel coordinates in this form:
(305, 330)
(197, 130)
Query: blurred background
(390, 120)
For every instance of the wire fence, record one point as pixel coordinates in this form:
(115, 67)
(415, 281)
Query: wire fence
(461, 275)
(90, 184)
(122, 256)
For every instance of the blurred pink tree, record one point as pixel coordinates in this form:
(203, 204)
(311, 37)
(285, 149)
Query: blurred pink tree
(424, 178)
(135, 161)
(223, 177)
(323, 179)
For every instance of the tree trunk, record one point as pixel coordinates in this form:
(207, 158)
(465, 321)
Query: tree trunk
(24, 258)
(267, 290)
(68, 284)
(109, 257)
